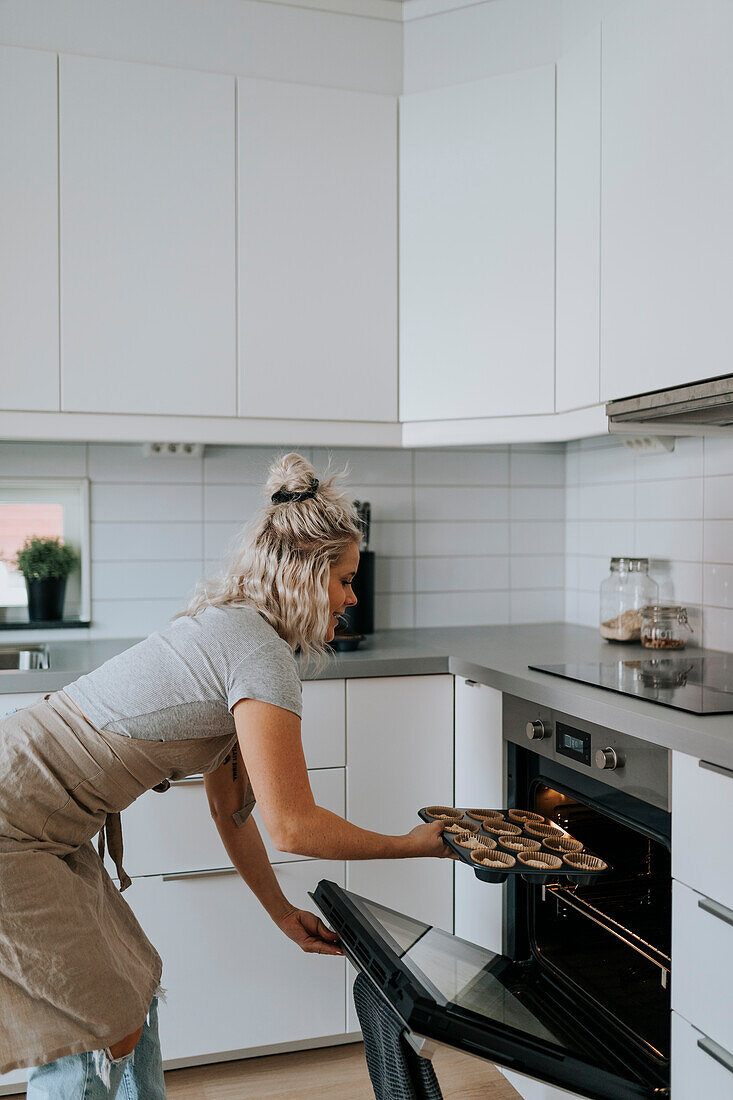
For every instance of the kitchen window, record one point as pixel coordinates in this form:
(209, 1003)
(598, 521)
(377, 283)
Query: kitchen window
(35, 506)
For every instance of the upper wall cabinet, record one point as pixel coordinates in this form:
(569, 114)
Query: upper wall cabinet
(29, 267)
(147, 174)
(667, 216)
(578, 225)
(317, 253)
(477, 226)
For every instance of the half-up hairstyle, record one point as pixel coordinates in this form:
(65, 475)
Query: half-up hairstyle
(281, 562)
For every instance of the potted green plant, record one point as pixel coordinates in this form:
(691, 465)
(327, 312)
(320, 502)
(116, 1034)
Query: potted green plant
(45, 563)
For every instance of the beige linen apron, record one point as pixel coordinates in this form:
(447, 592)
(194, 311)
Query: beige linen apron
(77, 972)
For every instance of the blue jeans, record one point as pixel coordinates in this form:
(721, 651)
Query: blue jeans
(94, 1075)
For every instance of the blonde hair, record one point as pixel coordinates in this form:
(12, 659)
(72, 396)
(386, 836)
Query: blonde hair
(281, 562)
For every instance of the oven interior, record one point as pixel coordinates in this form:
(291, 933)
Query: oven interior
(602, 951)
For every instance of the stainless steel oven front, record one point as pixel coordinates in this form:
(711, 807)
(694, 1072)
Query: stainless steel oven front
(580, 997)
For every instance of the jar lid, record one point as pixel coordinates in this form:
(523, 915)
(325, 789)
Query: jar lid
(665, 611)
(632, 564)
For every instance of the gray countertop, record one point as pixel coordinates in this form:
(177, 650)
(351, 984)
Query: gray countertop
(493, 655)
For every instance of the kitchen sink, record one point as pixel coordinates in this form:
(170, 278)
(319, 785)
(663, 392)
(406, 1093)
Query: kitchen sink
(23, 658)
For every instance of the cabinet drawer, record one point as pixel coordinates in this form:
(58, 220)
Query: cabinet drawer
(233, 980)
(699, 1067)
(324, 723)
(174, 832)
(702, 792)
(702, 947)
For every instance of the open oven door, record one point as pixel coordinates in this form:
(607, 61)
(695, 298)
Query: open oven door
(451, 992)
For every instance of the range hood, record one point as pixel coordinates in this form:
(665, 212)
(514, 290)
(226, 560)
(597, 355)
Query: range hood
(697, 409)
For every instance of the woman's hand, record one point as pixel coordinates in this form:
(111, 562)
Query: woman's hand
(427, 840)
(309, 932)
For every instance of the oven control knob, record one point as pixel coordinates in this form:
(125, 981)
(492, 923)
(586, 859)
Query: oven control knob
(536, 730)
(608, 759)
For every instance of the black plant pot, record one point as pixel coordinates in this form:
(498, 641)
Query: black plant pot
(360, 617)
(46, 599)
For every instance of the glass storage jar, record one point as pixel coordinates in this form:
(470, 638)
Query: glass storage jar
(664, 627)
(624, 593)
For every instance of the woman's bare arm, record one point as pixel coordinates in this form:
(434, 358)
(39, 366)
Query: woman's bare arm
(225, 790)
(270, 742)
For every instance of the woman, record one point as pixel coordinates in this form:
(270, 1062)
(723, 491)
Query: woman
(216, 692)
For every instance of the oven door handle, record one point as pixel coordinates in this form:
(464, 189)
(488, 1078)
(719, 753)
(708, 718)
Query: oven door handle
(716, 1052)
(715, 909)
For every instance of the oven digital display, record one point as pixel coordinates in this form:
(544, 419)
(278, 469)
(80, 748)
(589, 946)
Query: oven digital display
(573, 743)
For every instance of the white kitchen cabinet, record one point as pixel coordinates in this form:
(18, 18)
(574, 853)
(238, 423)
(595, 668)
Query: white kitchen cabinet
(479, 765)
(699, 1066)
(29, 271)
(477, 252)
(147, 177)
(399, 740)
(185, 837)
(667, 174)
(234, 981)
(702, 946)
(578, 225)
(702, 792)
(317, 186)
(323, 726)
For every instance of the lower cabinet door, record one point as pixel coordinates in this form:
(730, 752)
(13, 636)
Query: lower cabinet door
(700, 1068)
(233, 980)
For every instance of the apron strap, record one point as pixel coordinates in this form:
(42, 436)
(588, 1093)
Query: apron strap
(112, 830)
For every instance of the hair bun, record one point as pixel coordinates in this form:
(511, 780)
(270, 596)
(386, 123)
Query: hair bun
(290, 476)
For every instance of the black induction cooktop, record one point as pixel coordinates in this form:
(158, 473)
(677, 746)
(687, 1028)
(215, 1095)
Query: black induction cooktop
(699, 684)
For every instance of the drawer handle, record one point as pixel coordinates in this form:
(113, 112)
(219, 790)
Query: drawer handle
(717, 768)
(718, 1053)
(715, 909)
(178, 875)
(189, 780)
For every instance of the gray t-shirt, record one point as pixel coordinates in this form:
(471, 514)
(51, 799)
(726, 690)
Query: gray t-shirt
(182, 682)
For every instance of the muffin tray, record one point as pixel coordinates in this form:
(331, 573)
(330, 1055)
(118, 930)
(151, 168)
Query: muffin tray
(501, 843)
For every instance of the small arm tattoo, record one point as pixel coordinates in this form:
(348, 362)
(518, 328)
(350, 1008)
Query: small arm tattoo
(235, 761)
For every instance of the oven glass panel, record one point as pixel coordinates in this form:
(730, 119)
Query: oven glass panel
(611, 940)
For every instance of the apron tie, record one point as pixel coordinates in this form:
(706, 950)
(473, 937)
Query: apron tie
(112, 830)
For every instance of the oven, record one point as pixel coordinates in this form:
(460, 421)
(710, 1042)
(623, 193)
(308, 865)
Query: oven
(580, 997)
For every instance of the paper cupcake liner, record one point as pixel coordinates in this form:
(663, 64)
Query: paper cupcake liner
(526, 816)
(468, 840)
(496, 828)
(582, 861)
(461, 827)
(446, 813)
(519, 843)
(487, 857)
(486, 815)
(562, 844)
(539, 861)
(542, 831)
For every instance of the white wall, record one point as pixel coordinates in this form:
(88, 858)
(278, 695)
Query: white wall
(243, 37)
(461, 537)
(676, 509)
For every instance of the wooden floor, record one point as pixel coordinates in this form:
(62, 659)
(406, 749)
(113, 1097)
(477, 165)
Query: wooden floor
(332, 1073)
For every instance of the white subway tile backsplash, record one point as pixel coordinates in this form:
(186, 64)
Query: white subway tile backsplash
(462, 467)
(536, 572)
(219, 539)
(536, 504)
(461, 608)
(608, 460)
(389, 503)
(394, 612)
(132, 618)
(394, 575)
(610, 501)
(718, 458)
(462, 504)
(145, 580)
(719, 497)
(533, 468)
(366, 466)
(538, 537)
(145, 503)
(679, 540)
(680, 582)
(718, 628)
(686, 460)
(125, 462)
(542, 606)
(611, 538)
(718, 585)
(480, 538)
(718, 540)
(48, 460)
(394, 540)
(231, 503)
(146, 541)
(457, 574)
(243, 465)
(678, 499)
